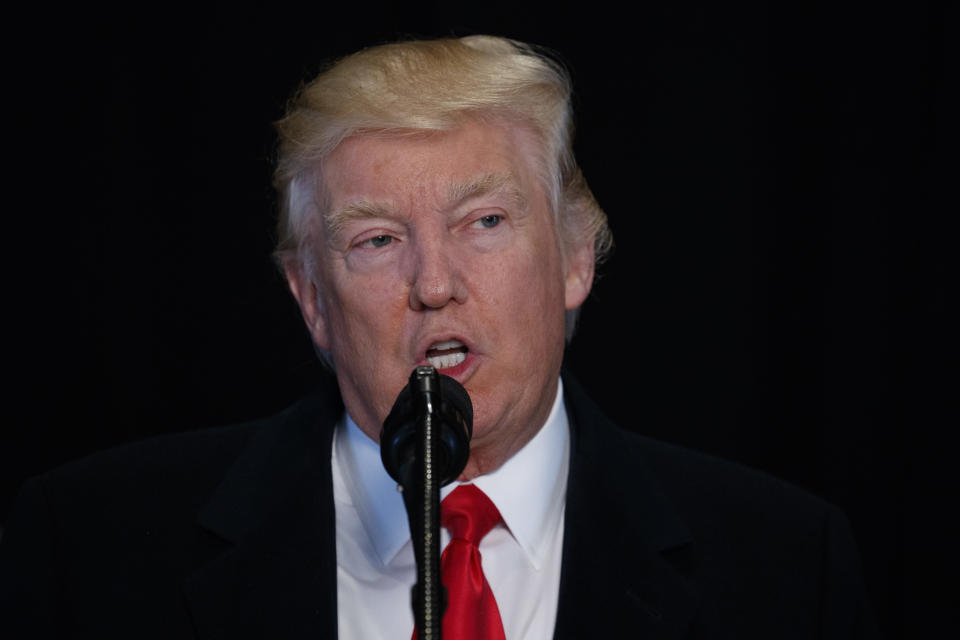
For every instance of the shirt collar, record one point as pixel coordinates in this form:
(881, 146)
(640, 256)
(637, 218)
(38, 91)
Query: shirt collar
(528, 489)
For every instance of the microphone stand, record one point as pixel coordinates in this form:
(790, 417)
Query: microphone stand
(422, 499)
(425, 444)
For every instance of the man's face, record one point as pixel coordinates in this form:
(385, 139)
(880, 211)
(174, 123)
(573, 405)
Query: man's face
(441, 249)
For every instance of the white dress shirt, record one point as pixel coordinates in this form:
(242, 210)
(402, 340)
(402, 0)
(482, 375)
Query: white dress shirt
(521, 556)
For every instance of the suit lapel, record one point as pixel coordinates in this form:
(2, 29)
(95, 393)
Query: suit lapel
(623, 541)
(274, 509)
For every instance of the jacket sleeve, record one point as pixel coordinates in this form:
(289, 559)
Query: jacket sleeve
(29, 585)
(845, 610)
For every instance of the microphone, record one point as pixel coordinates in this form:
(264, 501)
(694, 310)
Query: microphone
(445, 403)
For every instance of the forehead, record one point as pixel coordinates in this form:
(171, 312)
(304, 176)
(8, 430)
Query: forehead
(434, 166)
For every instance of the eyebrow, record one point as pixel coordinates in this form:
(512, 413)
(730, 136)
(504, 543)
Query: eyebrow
(359, 210)
(485, 184)
(457, 194)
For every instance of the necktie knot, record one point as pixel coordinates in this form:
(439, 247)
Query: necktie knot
(468, 514)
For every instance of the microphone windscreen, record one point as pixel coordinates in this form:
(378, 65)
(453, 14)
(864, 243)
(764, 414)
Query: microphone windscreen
(454, 394)
(452, 415)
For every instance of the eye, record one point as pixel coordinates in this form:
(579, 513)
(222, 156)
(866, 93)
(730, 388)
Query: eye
(377, 242)
(489, 222)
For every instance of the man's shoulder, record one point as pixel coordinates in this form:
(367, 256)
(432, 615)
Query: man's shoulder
(117, 531)
(163, 461)
(708, 490)
(172, 474)
(788, 555)
(708, 493)
(161, 479)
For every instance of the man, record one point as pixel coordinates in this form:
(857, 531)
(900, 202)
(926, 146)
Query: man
(432, 213)
(452, 230)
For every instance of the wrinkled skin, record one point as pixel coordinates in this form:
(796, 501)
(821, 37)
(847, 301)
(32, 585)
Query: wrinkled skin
(444, 236)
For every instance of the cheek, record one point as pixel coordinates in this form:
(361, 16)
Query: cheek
(362, 320)
(544, 274)
(525, 293)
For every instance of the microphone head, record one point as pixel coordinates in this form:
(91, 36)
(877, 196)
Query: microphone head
(449, 406)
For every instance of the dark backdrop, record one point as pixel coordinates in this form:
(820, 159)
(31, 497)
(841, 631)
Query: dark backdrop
(771, 173)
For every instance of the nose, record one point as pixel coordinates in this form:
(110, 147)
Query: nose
(435, 274)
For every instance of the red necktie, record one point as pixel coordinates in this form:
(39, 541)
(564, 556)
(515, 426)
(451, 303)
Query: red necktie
(472, 613)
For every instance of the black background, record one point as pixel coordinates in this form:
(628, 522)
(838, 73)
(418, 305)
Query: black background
(776, 177)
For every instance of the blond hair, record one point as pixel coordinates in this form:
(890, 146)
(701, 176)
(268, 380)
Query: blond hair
(432, 85)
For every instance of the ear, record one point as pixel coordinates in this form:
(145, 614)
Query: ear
(579, 276)
(305, 292)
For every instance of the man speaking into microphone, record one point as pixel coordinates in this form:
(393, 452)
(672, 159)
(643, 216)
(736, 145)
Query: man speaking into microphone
(432, 214)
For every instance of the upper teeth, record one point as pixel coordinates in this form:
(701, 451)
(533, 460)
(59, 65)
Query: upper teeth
(446, 344)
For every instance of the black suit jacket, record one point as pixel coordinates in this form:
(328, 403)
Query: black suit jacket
(229, 533)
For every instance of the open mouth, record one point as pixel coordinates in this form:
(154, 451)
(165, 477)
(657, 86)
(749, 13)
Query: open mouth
(446, 354)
